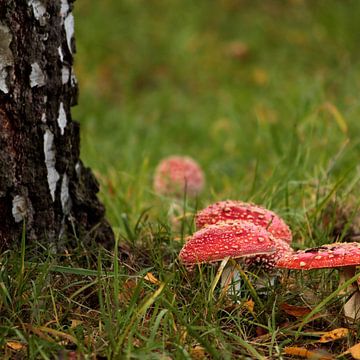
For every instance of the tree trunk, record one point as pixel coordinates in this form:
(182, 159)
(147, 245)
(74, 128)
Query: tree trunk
(42, 180)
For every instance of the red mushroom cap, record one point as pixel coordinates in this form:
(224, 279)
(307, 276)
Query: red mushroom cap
(235, 239)
(238, 210)
(268, 261)
(176, 174)
(325, 256)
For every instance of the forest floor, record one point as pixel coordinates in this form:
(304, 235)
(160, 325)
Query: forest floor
(265, 96)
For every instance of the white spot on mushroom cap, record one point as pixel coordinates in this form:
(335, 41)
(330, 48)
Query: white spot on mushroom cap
(19, 208)
(62, 120)
(37, 77)
(50, 160)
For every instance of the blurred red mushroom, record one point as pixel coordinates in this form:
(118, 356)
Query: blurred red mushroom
(342, 256)
(179, 175)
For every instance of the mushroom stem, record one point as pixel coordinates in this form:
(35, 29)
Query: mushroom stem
(352, 306)
(230, 279)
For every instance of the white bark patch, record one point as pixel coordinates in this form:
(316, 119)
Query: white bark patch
(73, 79)
(3, 76)
(62, 120)
(39, 11)
(61, 55)
(65, 75)
(50, 160)
(64, 195)
(6, 57)
(69, 29)
(43, 118)
(37, 77)
(78, 169)
(64, 8)
(19, 208)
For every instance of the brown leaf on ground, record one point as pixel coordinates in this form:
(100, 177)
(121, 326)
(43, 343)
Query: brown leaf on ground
(334, 335)
(15, 345)
(249, 305)
(197, 353)
(354, 351)
(294, 310)
(308, 354)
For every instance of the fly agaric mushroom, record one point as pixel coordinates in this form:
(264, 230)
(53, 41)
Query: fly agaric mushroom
(238, 210)
(176, 175)
(268, 261)
(226, 239)
(342, 256)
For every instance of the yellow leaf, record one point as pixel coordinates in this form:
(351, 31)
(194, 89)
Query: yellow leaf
(354, 351)
(198, 353)
(75, 323)
(308, 354)
(15, 345)
(249, 305)
(151, 278)
(334, 335)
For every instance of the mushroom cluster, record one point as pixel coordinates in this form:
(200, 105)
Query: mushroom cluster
(235, 229)
(238, 230)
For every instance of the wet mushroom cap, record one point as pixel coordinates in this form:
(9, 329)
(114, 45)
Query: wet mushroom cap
(176, 174)
(268, 261)
(238, 210)
(235, 239)
(325, 256)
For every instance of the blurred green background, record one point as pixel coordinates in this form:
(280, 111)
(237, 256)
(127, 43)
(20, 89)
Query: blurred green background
(263, 94)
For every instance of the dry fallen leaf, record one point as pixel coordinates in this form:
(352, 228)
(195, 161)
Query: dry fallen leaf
(151, 278)
(354, 351)
(75, 323)
(334, 335)
(197, 353)
(15, 345)
(249, 305)
(297, 311)
(308, 354)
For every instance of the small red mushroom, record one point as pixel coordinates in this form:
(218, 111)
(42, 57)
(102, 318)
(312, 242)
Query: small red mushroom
(177, 175)
(342, 256)
(238, 210)
(232, 239)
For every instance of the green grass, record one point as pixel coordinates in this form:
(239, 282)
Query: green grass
(279, 127)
